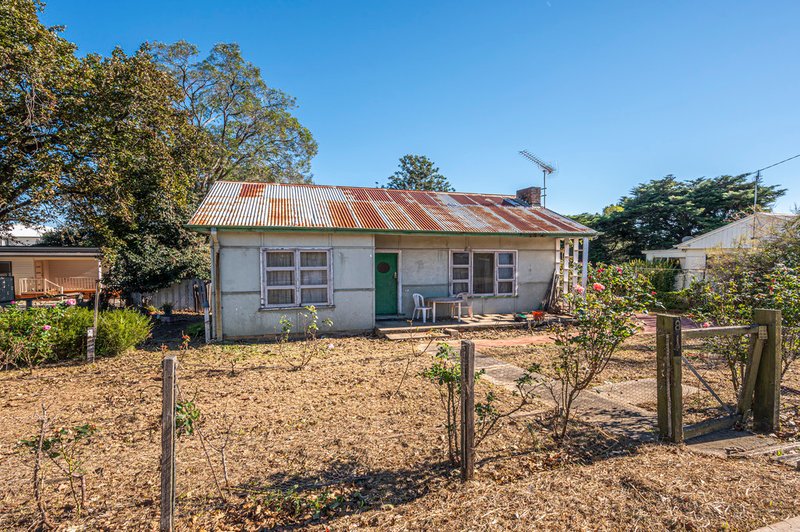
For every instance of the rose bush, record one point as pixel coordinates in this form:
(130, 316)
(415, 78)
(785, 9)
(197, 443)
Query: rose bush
(604, 317)
(29, 337)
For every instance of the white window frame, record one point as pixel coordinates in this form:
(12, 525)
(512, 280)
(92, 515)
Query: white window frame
(297, 269)
(497, 267)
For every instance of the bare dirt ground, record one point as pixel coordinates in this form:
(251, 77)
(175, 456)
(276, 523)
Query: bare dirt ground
(340, 442)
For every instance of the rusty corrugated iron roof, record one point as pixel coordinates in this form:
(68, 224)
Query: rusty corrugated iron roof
(269, 206)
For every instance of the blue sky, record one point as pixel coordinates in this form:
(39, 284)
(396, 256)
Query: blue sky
(614, 93)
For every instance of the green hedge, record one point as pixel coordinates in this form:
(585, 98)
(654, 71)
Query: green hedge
(34, 336)
(676, 301)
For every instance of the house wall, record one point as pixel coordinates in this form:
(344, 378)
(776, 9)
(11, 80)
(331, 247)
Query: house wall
(71, 268)
(21, 267)
(424, 265)
(240, 282)
(425, 262)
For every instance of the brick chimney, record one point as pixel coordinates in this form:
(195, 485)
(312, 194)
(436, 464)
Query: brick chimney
(531, 195)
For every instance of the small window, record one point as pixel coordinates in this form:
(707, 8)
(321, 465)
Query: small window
(483, 273)
(296, 277)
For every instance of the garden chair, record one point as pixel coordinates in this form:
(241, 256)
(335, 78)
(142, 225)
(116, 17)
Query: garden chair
(466, 304)
(420, 308)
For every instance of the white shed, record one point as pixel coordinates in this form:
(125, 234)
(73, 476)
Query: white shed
(693, 253)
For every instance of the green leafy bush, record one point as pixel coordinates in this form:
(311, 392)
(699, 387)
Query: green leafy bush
(26, 335)
(69, 334)
(120, 330)
(29, 337)
(678, 301)
(661, 274)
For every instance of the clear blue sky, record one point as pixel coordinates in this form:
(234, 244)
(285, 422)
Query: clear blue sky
(613, 92)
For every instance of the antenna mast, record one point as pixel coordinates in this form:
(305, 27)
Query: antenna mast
(546, 169)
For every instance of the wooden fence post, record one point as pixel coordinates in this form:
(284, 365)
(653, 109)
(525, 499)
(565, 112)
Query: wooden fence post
(467, 410)
(669, 377)
(767, 396)
(169, 377)
(91, 333)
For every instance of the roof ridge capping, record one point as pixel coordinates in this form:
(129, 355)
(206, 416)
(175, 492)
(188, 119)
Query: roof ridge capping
(317, 185)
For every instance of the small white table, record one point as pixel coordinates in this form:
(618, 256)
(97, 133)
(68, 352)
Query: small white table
(452, 301)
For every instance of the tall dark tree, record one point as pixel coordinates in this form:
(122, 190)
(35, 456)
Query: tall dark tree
(659, 213)
(39, 78)
(144, 155)
(417, 172)
(254, 134)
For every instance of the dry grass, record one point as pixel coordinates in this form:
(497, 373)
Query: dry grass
(338, 426)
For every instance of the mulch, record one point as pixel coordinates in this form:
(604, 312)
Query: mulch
(346, 426)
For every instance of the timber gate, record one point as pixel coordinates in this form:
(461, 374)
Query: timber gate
(714, 378)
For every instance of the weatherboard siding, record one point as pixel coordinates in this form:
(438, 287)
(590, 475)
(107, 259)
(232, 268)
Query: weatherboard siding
(425, 263)
(424, 268)
(240, 281)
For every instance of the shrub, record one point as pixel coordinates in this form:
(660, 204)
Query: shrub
(120, 330)
(33, 336)
(69, 338)
(661, 274)
(678, 301)
(604, 318)
(26, 335)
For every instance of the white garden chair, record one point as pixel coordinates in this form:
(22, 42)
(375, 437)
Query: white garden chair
(466, 304)
(420, 308)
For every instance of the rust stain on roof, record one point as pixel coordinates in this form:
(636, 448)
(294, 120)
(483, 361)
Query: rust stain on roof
(279, 206)
(251, 190)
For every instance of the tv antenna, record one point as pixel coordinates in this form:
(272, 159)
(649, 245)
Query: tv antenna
(545, 168)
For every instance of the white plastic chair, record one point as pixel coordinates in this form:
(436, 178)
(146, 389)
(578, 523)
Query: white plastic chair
(419, 307)
(466, 304)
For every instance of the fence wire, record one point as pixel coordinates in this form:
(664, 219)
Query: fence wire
(713, 370)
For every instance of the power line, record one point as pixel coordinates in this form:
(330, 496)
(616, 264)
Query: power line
(773, 164)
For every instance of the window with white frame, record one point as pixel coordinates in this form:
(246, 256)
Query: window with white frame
(483, 273)
(296, 277)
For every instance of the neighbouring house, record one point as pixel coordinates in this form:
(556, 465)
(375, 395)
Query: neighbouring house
(694, 253)
(21, 235)
(359, 254)
(37, 271)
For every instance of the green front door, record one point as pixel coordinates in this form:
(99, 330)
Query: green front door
(385, 284)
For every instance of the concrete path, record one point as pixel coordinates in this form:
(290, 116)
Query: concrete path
(605, 406)
(616, 417)
(787, 525)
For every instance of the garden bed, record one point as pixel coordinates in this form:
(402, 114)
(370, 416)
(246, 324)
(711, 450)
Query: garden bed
(339, 442)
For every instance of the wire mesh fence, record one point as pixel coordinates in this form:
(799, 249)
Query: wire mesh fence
(712, 371)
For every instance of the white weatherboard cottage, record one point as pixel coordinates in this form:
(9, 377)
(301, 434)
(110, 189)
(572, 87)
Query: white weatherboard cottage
(693, 253)
(359, 254)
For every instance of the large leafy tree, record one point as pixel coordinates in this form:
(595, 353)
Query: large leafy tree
(417, 172)
(38, 82)
(144, 155)
(254, 134)
(659, 213)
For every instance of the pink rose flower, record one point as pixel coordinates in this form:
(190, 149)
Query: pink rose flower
(598, 287)
(619, 270)
(579, 288)
(70, 302)
(46, 327)
(706, 325)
